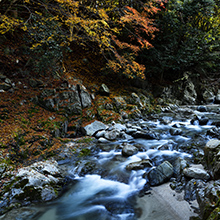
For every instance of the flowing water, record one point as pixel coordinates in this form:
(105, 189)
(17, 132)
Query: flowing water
(109, 192)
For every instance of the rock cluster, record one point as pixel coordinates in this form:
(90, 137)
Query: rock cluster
(39, 182)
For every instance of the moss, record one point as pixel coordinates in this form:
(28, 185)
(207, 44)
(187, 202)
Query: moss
(215, 215)
(85, 140)
(84, 152)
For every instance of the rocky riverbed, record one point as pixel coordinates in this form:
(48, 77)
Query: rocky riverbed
(126, 170)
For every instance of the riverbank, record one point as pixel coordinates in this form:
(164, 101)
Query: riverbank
(163, 203)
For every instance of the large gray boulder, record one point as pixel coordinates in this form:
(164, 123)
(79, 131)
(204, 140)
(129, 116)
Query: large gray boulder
(39, 182)
(160, 174)
(196, 172)
(85, 97)
(129, 150)
(94, 127)
(189, 93)
(112, 134)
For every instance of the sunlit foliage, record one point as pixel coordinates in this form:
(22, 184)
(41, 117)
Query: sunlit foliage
(117, 29)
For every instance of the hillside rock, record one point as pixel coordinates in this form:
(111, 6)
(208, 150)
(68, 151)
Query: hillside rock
(94, 127)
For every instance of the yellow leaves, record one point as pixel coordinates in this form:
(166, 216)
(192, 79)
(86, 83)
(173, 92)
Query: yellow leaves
(35, 46)
(8, 23)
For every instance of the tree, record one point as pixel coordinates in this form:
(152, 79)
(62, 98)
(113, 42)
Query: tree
(116, 29)
(188, 39)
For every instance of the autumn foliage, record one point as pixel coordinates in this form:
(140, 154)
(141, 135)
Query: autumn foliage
(117, 30)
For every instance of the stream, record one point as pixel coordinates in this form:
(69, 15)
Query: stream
(104, 188)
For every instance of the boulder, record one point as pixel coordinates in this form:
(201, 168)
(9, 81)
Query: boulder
(178, 166)
(139, 165)
(150, 135)
(208, 96)
(85, 97)
(160, 174)
(104, 90)
(136, 100)
(191, 189)
(196, 172)
(119, 103)
(211, 157)
(112, 135)
(103, 140)
(94, 127)
(189, 93)
(129, 150)
(175, 131)
(208, 200)
(202, 108)
(39, 182)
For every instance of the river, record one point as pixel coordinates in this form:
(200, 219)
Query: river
(108, 190)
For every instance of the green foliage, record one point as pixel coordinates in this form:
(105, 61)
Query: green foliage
(84, 152)
(188, 39)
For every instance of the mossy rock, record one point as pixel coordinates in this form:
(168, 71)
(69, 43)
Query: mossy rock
(215, 215)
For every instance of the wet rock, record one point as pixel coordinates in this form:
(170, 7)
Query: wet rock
(178, 166)
(196, 172)
(203, 120)
(191, 189)
(130, 131)
(202, 108)
(165, 120)
(167, 146)
(160, 174)
(150, 135)
(103, 140)
(139, 165)
(214, 133)
(100, 134)
(94, 127)
(112, 135)
(128, 150)
(186, 112)
(175, 131)
(119, 127)
(85, 167)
